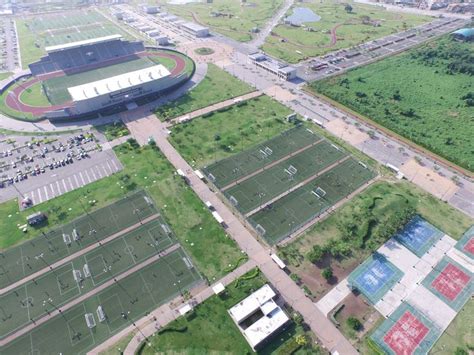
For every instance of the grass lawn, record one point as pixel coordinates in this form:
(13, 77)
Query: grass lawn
(30, 51)
(11, 112)
(207, 139)
(217, 86)
(352, 232)
(206, 242)
(231, 18)
(34, 96)
(429, 102)
(210, 330)
(114, 130)
(119, 346)
(293, 44)
(5, 75)
(459, 334)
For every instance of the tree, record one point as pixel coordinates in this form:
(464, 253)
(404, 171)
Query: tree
(327, 273)
(460, 351)
(354, 323)
(348, 8)
(316, 254)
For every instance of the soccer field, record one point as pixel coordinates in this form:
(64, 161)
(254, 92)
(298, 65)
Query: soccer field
(120, 305)
(59, 286)
(40, 252)
(56, 88)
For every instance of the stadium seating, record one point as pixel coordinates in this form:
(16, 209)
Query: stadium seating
(86, 57)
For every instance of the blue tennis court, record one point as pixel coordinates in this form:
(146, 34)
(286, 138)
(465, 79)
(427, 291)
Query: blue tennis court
(374, 277)
(418, 236)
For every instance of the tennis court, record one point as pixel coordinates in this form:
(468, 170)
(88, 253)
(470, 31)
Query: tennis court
(61, 285)
(229, 170)
(279, 219)
(375, 277)
(111, 310)
(451, 283)
(56, 88)
(418, 236)
(268, 184)
(38, 253)
(466, 243)
(407, 331)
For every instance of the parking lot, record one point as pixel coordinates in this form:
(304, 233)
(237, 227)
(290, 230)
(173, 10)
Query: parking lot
(332, 63)
(10, 56)
(39, 169)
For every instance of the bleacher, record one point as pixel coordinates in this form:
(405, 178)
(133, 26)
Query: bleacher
(78, 56)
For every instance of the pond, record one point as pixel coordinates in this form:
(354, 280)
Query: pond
(302, 15)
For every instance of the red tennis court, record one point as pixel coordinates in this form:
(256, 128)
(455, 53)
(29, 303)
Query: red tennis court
(406, 335)
(451, 281)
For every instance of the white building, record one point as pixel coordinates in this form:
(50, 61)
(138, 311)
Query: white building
(195, 29)
(120, 89)
(282, 70)
(258, 317)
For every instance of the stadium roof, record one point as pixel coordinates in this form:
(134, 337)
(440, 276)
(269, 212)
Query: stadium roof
(465, 32)
(117, 83)
(85, 42)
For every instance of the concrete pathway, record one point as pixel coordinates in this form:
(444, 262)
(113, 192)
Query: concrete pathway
(334, 297)
(331, 338)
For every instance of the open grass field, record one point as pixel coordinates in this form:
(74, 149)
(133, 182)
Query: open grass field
(204, 240)
(209, 329)
(5, 75)
(56, 88)
(208, 139)
(113, 130)
(459, 334)
(31, 299)
(336, 29)
(205, 93)
(36, 33)
(351, 233)
(429, 101)
(35, 96)
(14, 113)
(22, 260)
(231, 18)
(123, 302)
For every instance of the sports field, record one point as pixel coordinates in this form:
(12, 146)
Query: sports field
(40, 31)
(122, 303)
(272, 181)
(232, 18)
(59, 286)
(337, 28)
(229, 170)
(429, 101)
(56, 88)
(46, 249)
(289, 213)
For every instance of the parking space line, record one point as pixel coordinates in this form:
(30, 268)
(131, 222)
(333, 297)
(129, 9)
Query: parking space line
(98, 172)
(70, 183)
(40, 198)
(110, 168)
(115, 165)
(51, 187)
(57, 185)
(77, 181)
(105, 169)
(82, 178)
(93, 174)
(46, 193)
(87, 176)
(64, 185)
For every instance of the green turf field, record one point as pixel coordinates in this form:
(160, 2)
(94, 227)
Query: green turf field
(271, 182)
(56, 88)
(35, 96)
(123, 302)
(363, 23)
(38, 253)
(292, 211)
(235, 19)
(429, 102)
(44, 30)
(57, 287)
(205, 94)
(226, 171)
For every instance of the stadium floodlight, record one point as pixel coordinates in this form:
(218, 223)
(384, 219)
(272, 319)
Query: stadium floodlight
(319, 192)
(66, 239)
(233, 201)
(260, 229)
(90, 320)
(101, 314)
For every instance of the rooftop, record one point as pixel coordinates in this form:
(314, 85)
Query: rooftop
(116, 83)
(85, 42)
(249, 305)
(194, 26)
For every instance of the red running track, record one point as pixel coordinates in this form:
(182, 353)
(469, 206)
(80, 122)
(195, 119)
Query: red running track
(13, 98)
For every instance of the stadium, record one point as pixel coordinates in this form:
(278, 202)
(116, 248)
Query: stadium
(102, 75)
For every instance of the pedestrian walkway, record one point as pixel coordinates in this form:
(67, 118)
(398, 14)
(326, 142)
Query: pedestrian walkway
(331, 338)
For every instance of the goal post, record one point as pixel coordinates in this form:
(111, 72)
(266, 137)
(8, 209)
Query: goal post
(319, 192)
(233, 201)
(260, 229)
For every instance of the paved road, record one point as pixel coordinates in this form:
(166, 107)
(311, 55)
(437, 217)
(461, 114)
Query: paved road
(144, 127)
(87, 295)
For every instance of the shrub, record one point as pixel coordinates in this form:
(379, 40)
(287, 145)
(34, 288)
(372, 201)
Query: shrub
(316, 254)
(460, 351)
(354, 323)
(327, 273)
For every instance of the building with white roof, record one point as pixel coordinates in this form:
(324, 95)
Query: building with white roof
(258, 317)
(282, 70)
(195, 29)
(118, 89)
